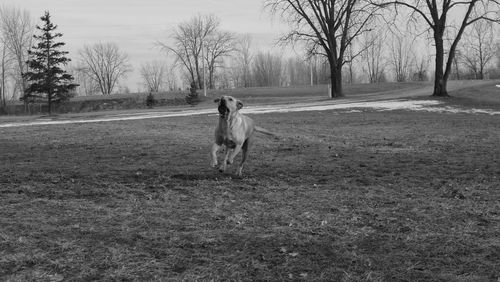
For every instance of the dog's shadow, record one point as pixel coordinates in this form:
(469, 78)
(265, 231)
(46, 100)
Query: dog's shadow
(211, 176)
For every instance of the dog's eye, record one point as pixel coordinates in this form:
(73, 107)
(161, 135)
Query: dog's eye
(231, 99)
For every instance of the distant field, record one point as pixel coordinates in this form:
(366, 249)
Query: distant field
(318, 90)
(360, 196)
(487, 95)
(294, 91)
(266, 94)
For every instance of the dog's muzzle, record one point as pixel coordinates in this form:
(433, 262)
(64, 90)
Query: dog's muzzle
(223, 110)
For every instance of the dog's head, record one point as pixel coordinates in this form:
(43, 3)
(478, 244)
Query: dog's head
(228, 105)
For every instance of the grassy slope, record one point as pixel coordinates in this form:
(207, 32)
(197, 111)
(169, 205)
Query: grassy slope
(486, 96)
(360, 196)
(293, 91)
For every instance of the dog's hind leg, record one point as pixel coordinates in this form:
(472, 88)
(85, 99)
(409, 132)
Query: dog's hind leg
(244, 148)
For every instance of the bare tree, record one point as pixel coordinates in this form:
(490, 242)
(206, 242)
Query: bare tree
(105, 64)
(373, 55)
(328, 27)
(498, 54)
(235, 72)
(267, 69)
(478, 48)
(154, 75)
(420, 68)
(244, 60)
(298, 71)
(350, 77)
(17, 29)
(5, 65)
(455, 71)
(172, 80)
(199, 43)
(401, 56)
(218, 45)
(437, 15)
(86, 85)
(189, 39)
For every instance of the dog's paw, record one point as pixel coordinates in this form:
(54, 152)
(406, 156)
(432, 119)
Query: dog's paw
(213, 164)
(238, 172)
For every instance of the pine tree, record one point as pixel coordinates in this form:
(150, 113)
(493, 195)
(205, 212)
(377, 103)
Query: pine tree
(47, 80)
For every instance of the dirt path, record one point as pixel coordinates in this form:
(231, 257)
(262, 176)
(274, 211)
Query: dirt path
(391, 100)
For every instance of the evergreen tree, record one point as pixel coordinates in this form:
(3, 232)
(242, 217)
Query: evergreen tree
(47, 80)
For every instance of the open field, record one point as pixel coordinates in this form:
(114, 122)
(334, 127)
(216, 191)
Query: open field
(469, 93)
(356, 196)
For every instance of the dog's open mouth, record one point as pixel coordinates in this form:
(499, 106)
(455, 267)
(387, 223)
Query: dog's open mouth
(223, 110)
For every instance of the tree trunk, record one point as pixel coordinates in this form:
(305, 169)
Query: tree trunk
(3, 97)
(50, 103)
(440, 80)
(481, 70)
(211, 71)
(2, 101)
(200, 78)
(440, 87)
(336, 81)
(2, 82)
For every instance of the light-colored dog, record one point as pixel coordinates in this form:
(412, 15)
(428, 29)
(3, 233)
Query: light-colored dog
(234, 131)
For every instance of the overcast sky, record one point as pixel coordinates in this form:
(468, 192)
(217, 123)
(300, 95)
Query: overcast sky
(136, 24)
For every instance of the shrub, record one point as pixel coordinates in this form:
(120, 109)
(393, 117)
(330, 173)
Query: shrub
(192, 98)
(150, 100)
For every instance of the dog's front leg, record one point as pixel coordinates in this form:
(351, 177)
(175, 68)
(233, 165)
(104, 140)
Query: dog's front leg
(213, 153)
(223, 166)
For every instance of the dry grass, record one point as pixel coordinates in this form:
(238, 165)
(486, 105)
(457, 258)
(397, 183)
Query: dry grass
(369, 196)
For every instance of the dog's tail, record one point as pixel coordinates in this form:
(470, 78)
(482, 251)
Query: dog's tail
(265, 131)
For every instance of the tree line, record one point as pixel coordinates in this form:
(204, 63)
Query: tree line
(353, 41)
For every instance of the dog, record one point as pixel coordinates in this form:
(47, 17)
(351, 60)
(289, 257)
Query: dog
(234, 131)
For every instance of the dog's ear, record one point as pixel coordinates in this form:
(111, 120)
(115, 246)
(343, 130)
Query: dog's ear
(217, 100)
(239, 104)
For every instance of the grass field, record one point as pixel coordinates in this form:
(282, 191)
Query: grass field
(359, 196)
(300, 91)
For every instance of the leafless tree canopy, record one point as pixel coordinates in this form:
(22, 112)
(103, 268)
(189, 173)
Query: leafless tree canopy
(243, 57)
(373, 44)
(401, 57)
(479, 48)
(5, 64)
(17, 31)
(197, 42)
(105, 64)
(154, 75)
(327, 27)
(268, 69)
(218, 45)
(437, 15)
